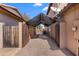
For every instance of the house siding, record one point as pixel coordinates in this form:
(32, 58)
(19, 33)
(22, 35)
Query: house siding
(8, 20)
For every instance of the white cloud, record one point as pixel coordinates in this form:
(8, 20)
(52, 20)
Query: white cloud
(37, 4)
(45, 9)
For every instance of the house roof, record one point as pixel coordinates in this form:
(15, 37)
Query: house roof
(41, 19)
(49, 8)
(69, 5)
(12, 11)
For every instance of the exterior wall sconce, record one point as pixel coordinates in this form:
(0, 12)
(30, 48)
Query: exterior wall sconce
(74, 29)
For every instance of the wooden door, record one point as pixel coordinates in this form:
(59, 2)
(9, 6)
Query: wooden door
(57, 33)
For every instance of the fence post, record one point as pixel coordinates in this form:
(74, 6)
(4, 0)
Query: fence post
(12, 42)
(1, 35)
(20, 34)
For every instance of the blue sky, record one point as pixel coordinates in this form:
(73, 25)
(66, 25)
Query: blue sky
(31, 9)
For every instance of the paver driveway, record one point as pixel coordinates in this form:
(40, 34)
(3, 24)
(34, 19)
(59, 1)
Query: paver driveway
(42, 46)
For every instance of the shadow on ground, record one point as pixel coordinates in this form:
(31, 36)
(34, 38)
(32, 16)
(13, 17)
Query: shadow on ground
(54, 46)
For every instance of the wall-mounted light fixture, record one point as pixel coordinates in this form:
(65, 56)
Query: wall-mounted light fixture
(74, 28)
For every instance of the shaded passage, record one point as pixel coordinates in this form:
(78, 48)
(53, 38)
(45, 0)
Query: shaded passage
(42, 46)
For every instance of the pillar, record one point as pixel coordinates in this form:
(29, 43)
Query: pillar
(1, 34)
(20, 34)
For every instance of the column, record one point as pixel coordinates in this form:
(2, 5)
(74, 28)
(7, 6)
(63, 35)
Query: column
(20, 34)
(1, 34)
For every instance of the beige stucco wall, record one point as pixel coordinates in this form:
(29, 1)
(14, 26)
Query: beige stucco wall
(8, 20)
(52, 30)
(67, 38)
(62, 34)
(69, 17)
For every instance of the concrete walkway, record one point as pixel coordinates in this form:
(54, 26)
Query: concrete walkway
(42, 46)
(9, 51)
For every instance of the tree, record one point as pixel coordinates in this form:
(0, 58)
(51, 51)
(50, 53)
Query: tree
(25, 17)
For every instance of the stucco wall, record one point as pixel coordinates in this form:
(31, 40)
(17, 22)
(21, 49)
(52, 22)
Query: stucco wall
(52, 31)
(8, 20)
(70, 16)
(62, 34)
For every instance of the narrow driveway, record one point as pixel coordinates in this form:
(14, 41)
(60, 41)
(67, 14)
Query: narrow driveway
(42, 46)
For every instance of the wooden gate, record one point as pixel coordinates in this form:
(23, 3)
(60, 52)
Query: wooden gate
(10, 36)
(25, 35)
(14, 36)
